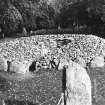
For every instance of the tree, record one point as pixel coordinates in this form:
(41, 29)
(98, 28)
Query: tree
(74, 14)
(10, 17)
(46, 20)
(36, 14)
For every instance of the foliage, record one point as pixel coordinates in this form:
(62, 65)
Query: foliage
(86, 13)
(10, 18)
(15, 15)
(36, 15)
(31, 14)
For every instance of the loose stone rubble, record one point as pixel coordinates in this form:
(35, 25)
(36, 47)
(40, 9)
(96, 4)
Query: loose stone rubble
(32, 48)
(79, 48)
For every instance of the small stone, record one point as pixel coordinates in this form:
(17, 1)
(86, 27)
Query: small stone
(98, 61)
(3, 64)
(78, 85)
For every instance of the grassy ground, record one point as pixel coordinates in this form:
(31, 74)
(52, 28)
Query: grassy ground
(98, 85)
(45, 88)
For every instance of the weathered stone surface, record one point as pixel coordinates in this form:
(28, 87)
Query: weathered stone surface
(19, 67)
(81, 61)
(44, 50)
(63, 62)
(98, 61)
(3, 64)
(78, 85)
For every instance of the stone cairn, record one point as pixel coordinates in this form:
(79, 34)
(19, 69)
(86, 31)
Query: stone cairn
(82, 47)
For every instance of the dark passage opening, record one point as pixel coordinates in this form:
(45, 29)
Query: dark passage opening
(32, 67)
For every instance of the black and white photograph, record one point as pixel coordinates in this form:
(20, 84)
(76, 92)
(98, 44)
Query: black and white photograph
(52, 52)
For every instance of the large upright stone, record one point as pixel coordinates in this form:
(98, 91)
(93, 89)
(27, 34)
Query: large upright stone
(44, 50)
(78, 85)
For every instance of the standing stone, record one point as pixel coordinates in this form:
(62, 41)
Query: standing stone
(98, 61)
(43, 49)
(3, 64)
(24, 31)
(78, 85)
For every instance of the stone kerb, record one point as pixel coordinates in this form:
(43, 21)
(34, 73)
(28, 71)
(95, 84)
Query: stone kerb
(3, 64)
(19, 67)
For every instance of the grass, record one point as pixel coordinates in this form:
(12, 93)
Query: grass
(98, 85)
(44, 88)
